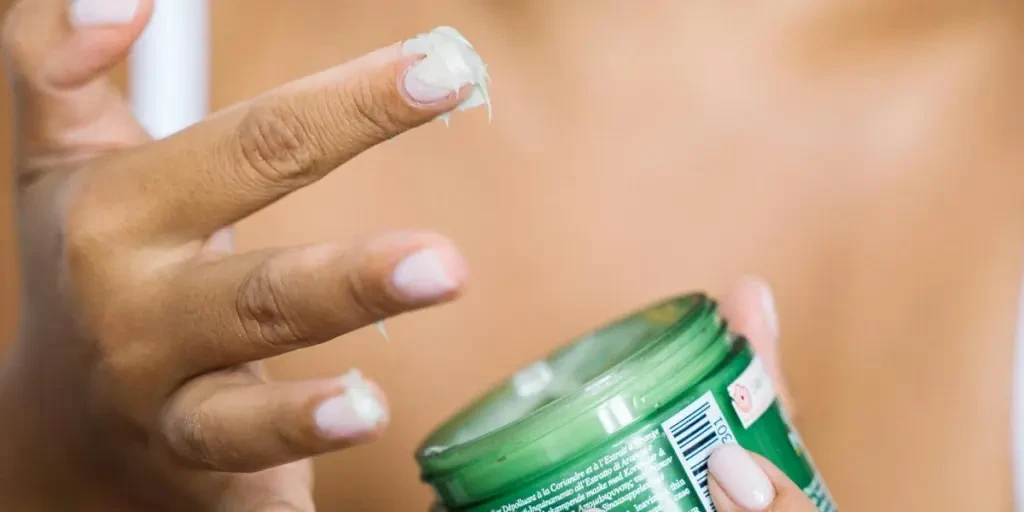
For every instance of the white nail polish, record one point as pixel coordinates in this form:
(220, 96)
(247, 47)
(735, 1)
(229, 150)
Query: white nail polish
(422, 276)
(357, 412)
(771, 316)
(102, 12)
(449, 65)
(741, 478)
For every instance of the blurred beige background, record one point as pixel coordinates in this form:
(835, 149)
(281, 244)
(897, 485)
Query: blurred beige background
(865, 160)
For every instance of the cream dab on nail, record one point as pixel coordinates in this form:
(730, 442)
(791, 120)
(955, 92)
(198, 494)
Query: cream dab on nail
(364, 402)
(383, 332)
(451, 62)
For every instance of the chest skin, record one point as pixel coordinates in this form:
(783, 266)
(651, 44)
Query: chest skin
(866, 163)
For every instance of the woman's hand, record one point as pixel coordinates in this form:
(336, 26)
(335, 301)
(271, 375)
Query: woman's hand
(135, 383)
(742, 481)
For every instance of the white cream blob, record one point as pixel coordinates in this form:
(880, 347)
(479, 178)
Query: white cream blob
(451, 62)
(362, 398)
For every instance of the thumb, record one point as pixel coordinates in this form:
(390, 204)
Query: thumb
(745, 482)
(57, 56)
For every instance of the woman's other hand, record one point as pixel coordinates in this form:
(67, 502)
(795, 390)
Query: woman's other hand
(135, 382)
(742, 481)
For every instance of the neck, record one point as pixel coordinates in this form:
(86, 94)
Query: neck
(871, 25)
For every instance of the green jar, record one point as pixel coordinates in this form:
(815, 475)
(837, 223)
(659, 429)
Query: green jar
(623, 419)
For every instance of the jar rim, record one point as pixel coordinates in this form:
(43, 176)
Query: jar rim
(574, 398)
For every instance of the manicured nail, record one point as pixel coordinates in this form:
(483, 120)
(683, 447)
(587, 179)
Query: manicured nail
(771, 317)
(422, 276)
(449, 64)
(422, 86)
(357, 412)
(741, 478)
(102, 12)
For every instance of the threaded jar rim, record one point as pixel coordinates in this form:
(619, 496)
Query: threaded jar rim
(572, 401)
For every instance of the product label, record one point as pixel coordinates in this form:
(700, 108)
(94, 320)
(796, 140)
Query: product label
(752, 393)
(661, 464)
(695, 432)
(820, 496)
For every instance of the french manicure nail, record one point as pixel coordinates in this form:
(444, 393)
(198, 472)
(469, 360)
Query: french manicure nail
(102, 12)
(356, 412)
(741, 478)
(448, 65)
(422, 276)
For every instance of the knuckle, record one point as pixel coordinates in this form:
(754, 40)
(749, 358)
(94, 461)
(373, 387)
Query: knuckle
(373, 112)
(294, 442)
(187, 439)
(86, 234)
(197, 439)
(368, 301)
(274, 143)
(262, 308)
(79, 238)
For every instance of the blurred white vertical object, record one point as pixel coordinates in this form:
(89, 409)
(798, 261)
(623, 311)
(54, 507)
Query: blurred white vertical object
(1018, 410)
(169, 67)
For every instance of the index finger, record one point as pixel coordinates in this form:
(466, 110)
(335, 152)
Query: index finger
(245, 158)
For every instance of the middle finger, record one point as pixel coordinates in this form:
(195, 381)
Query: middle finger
(254, 306)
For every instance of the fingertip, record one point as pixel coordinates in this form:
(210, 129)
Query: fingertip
(228, 425)
(85, 14)
(358, 413)
(749, 307)
(766, 298)
(444, 71)
(741, 477)
(103, 33)
(431, 271)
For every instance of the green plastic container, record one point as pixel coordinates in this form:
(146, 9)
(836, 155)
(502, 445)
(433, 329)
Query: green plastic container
(623, 419)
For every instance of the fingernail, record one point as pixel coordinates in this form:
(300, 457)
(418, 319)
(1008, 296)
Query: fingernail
(771, 317)
(357, 412)
(741, 478)
(422, 276)
(102, 12)
(448, 65)
(422, 87)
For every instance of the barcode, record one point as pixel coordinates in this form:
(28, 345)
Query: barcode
(695, 432)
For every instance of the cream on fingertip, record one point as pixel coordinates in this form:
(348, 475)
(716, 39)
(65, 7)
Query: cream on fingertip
(354, 413)
(449, 65)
